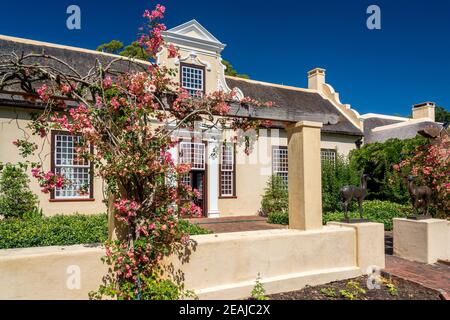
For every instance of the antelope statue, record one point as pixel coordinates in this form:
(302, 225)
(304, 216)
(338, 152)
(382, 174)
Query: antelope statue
(420, 196)
(348, 193)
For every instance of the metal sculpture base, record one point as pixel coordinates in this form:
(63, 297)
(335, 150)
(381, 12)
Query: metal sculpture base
(419, 217)
(355, 220)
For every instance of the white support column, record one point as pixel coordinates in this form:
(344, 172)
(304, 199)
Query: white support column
(174, 154)
(213, 174)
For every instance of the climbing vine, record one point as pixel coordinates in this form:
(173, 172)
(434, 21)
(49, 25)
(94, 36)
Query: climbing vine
(129, 118)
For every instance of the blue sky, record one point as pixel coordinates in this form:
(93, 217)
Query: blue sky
(384, 71)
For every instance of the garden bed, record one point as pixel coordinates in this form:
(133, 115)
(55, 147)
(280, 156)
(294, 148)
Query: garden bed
(356, 289)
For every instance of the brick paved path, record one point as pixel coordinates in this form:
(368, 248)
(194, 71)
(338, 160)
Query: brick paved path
(434, 276)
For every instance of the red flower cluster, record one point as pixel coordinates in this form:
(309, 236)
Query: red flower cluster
(48, 181)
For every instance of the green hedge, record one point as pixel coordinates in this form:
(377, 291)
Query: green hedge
(376, 211)
(193, 229)
(62, 231)
(278, 218)
(53, 231)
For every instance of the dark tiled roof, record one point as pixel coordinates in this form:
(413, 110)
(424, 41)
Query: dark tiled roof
(293, 104)
(297, 102)
(406, 131)
(80, 60)
(374, 122)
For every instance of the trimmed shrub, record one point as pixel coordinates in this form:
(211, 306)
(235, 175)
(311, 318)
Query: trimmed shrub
(375, 211)
(53, 231)
(16, 198)
(278, 218)
(63, 230)
(193, 229)
(275, 198)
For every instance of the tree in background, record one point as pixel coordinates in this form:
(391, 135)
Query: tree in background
(133, 50)
(378, 159)
(442, 115)
(114, 47)
(230, 71)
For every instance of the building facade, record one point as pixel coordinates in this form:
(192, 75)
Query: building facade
(231, 183)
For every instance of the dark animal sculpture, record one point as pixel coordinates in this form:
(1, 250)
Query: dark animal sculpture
(420, 196)
(348, 193)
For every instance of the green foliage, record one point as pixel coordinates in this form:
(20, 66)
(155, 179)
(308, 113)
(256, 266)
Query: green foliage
(375, 211)
(275, 198)
(329, 292)
(442, 115)
(353, 291)
(133, 50)
(38, 231)
(430, 167)
(355, 287)
(192, 228)
(53, 231)
(148, 288)
(278, 218)
(114, 47)
(16, 198)
(390, 286)
(378, 159)
(336, 175)
(258, 292)
(348, 294)
(230, 71)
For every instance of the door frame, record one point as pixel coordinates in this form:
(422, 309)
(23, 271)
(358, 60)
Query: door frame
(205, 176)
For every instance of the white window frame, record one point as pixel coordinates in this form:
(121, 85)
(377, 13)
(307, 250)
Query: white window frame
(277, 165)
(328, 155)
(192, 156)
(229, 169)
(191, 87)
(60, 168)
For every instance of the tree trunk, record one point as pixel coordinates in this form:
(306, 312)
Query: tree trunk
(117, 230)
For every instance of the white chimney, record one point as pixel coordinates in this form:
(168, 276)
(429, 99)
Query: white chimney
(316, 79)
(424, 110)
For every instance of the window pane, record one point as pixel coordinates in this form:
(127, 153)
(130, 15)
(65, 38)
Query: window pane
(193, 154)
(328, 155)
(280, 163)
(76, 170)
(227, 174)
(192, 80)
(79, 181)
(226, 186)
(227, 157)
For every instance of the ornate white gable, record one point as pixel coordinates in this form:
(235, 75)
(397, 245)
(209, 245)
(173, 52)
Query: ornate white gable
(193, 34)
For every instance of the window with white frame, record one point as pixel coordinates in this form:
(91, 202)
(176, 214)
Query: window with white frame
(328, 155)
(280, 162)
(193, 80)
(75, 169)
(194, 154)
(227, 171)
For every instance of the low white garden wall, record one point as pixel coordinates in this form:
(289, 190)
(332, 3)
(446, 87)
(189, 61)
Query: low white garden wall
(223, 266)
